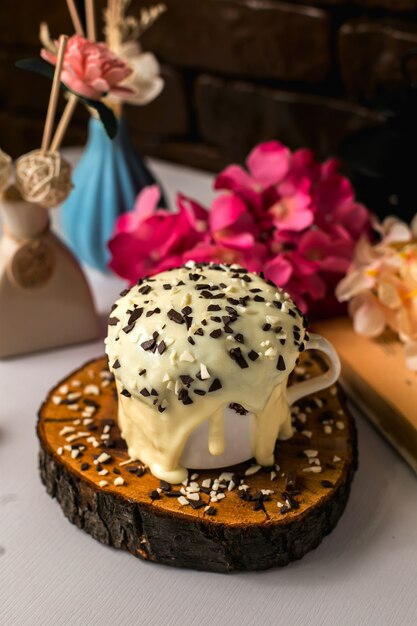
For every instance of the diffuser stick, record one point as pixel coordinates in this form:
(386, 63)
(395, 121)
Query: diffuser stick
(63, 122)
(90, 20)
(53, 98)
(75, 17)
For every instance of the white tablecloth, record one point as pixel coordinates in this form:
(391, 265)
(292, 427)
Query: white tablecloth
(51, 573)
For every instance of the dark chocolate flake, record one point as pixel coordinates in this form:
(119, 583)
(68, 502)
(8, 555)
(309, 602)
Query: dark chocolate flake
(148, 345)
(239, 338)
(214, 307)
(238, 408)
(186, 379)
(162, 347)
(215, 385)
(155, 495)
(211, 510)
(144, 392)
(135, 315)
(184, 397)
(142, 372)
(200, 392)
(216, 333)
(145, 289)
(175, 316)
(85, 467)
(290, 500)
(199, 331)
(126, 393)
(196, 504)
(266, 327)
(281, 363)
(259, 299)
(253, 355)
(236, 355)
(128, 328)
(188, 321)
(113, 321)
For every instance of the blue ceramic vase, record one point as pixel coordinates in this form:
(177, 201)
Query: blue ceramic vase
(107, 179)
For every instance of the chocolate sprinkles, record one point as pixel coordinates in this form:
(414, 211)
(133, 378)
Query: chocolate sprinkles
(174, 316)
(237, 356)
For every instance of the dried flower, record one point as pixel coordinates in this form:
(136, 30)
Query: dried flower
(122, 34)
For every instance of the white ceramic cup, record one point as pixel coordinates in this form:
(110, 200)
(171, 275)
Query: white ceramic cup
(239, 430)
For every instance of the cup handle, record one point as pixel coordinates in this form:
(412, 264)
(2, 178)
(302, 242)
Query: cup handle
(299, 390)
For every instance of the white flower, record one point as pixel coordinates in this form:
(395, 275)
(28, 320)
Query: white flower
(145, 79)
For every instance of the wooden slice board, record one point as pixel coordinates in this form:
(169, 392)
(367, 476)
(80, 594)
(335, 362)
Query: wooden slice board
(376, 378)
(244, 530)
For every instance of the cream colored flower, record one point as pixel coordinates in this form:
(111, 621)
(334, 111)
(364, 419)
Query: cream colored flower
(381, 285)
(145, 80)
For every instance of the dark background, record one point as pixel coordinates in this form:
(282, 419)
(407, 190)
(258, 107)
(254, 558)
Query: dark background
(237, 72)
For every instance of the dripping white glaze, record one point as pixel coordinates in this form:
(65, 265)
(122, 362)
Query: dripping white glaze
(158, 371)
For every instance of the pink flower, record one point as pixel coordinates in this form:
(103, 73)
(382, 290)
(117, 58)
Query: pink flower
(267, 165)
(149, 240)
(287, 215)
(231, 223)
(90, 69)
(292, 209)
(296, 275)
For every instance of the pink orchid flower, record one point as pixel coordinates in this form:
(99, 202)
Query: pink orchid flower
(267, 164)
(292, 210)
(231, 224)
(149, 240)
(90, 69)
(286, 214)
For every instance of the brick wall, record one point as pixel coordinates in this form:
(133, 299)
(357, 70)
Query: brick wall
(237, 72)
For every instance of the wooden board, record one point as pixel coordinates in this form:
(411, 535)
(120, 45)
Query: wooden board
(247, 528)
(376, 378)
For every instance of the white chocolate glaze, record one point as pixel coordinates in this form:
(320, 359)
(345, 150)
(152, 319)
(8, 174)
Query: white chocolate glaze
(168, 342)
